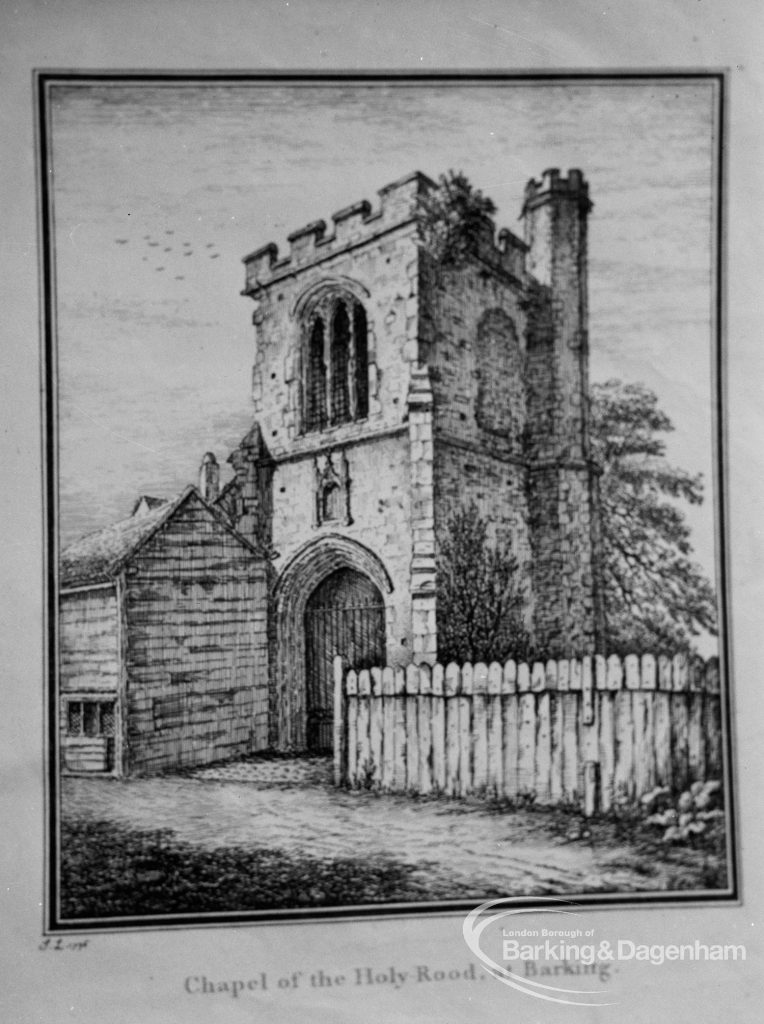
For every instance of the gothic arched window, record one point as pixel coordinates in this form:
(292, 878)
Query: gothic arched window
(361, 361)
(340, 351)
(336, 361)
(315, 394)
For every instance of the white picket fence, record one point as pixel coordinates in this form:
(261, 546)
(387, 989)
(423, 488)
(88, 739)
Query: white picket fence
(591, 732)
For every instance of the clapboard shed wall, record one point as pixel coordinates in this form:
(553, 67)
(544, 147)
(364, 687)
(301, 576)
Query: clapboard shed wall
(197, 646)
(89, 678)
(89, 649)
(164, 644)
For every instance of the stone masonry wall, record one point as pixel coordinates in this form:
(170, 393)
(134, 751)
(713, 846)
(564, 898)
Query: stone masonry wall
(484, 365)
(556, 233)
(421, 458)
(474, 332)
(472, 329)
(562, 524)
(499, 490)
(373, 257)
(380, 512)
(563, 481)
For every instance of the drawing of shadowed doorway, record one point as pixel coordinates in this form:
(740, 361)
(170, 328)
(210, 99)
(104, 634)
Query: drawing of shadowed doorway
(332, 598)
(344, 615)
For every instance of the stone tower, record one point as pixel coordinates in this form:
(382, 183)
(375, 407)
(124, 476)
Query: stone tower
(390, 390)
(563, 479)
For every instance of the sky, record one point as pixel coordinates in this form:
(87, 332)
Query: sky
(160, 190)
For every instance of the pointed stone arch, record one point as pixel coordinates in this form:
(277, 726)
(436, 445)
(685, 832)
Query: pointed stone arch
(334, 364)
(299, 578)
(327, 285)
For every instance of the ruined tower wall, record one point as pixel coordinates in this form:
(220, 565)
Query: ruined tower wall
(371, 256)
(378, 277)
(562, 478)
(379, 481)
(477, 387)
(473, 339)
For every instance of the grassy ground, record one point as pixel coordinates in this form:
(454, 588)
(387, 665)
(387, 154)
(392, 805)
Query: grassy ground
(700, 863)
(109, 871)
(274, 833)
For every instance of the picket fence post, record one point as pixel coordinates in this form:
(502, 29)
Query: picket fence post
(339, 721)
(591, 730)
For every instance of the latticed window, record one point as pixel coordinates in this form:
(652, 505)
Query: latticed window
(315, 392)
(361, 361)
(336, 378)
(107, 719)
(340, 348)
(74, 718)
(90, 718)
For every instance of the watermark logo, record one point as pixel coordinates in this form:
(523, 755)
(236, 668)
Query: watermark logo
(488, 914)
(566, 951)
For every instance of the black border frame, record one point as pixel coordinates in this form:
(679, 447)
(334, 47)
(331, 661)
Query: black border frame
(42, 81)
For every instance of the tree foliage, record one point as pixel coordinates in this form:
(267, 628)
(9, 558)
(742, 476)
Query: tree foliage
(452, 217)
(480, 598)
(655, 596)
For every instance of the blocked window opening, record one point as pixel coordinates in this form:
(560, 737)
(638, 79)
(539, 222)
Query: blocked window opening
(500, 404)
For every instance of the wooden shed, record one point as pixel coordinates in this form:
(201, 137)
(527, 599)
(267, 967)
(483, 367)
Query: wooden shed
(163, 648)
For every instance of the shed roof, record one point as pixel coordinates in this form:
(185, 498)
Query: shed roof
(99, 557)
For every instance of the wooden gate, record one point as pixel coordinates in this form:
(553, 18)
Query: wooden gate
(345, 615)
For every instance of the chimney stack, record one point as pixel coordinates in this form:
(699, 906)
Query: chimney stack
(209, 477)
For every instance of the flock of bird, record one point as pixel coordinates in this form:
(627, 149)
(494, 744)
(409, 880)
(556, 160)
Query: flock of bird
(166, 246)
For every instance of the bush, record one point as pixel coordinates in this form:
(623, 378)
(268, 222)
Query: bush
(696, 814)
(453, 217)
(480, 600)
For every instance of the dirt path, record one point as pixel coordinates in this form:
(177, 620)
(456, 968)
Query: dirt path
(463, 849)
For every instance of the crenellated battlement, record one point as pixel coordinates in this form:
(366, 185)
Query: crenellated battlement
(352, 224)
(553, 184)
(359, 222)
(502, 249)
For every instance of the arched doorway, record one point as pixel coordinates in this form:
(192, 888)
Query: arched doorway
(344, 615)
(310, 566)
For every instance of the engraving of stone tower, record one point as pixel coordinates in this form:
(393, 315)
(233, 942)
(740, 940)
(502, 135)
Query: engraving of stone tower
(392, 389)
